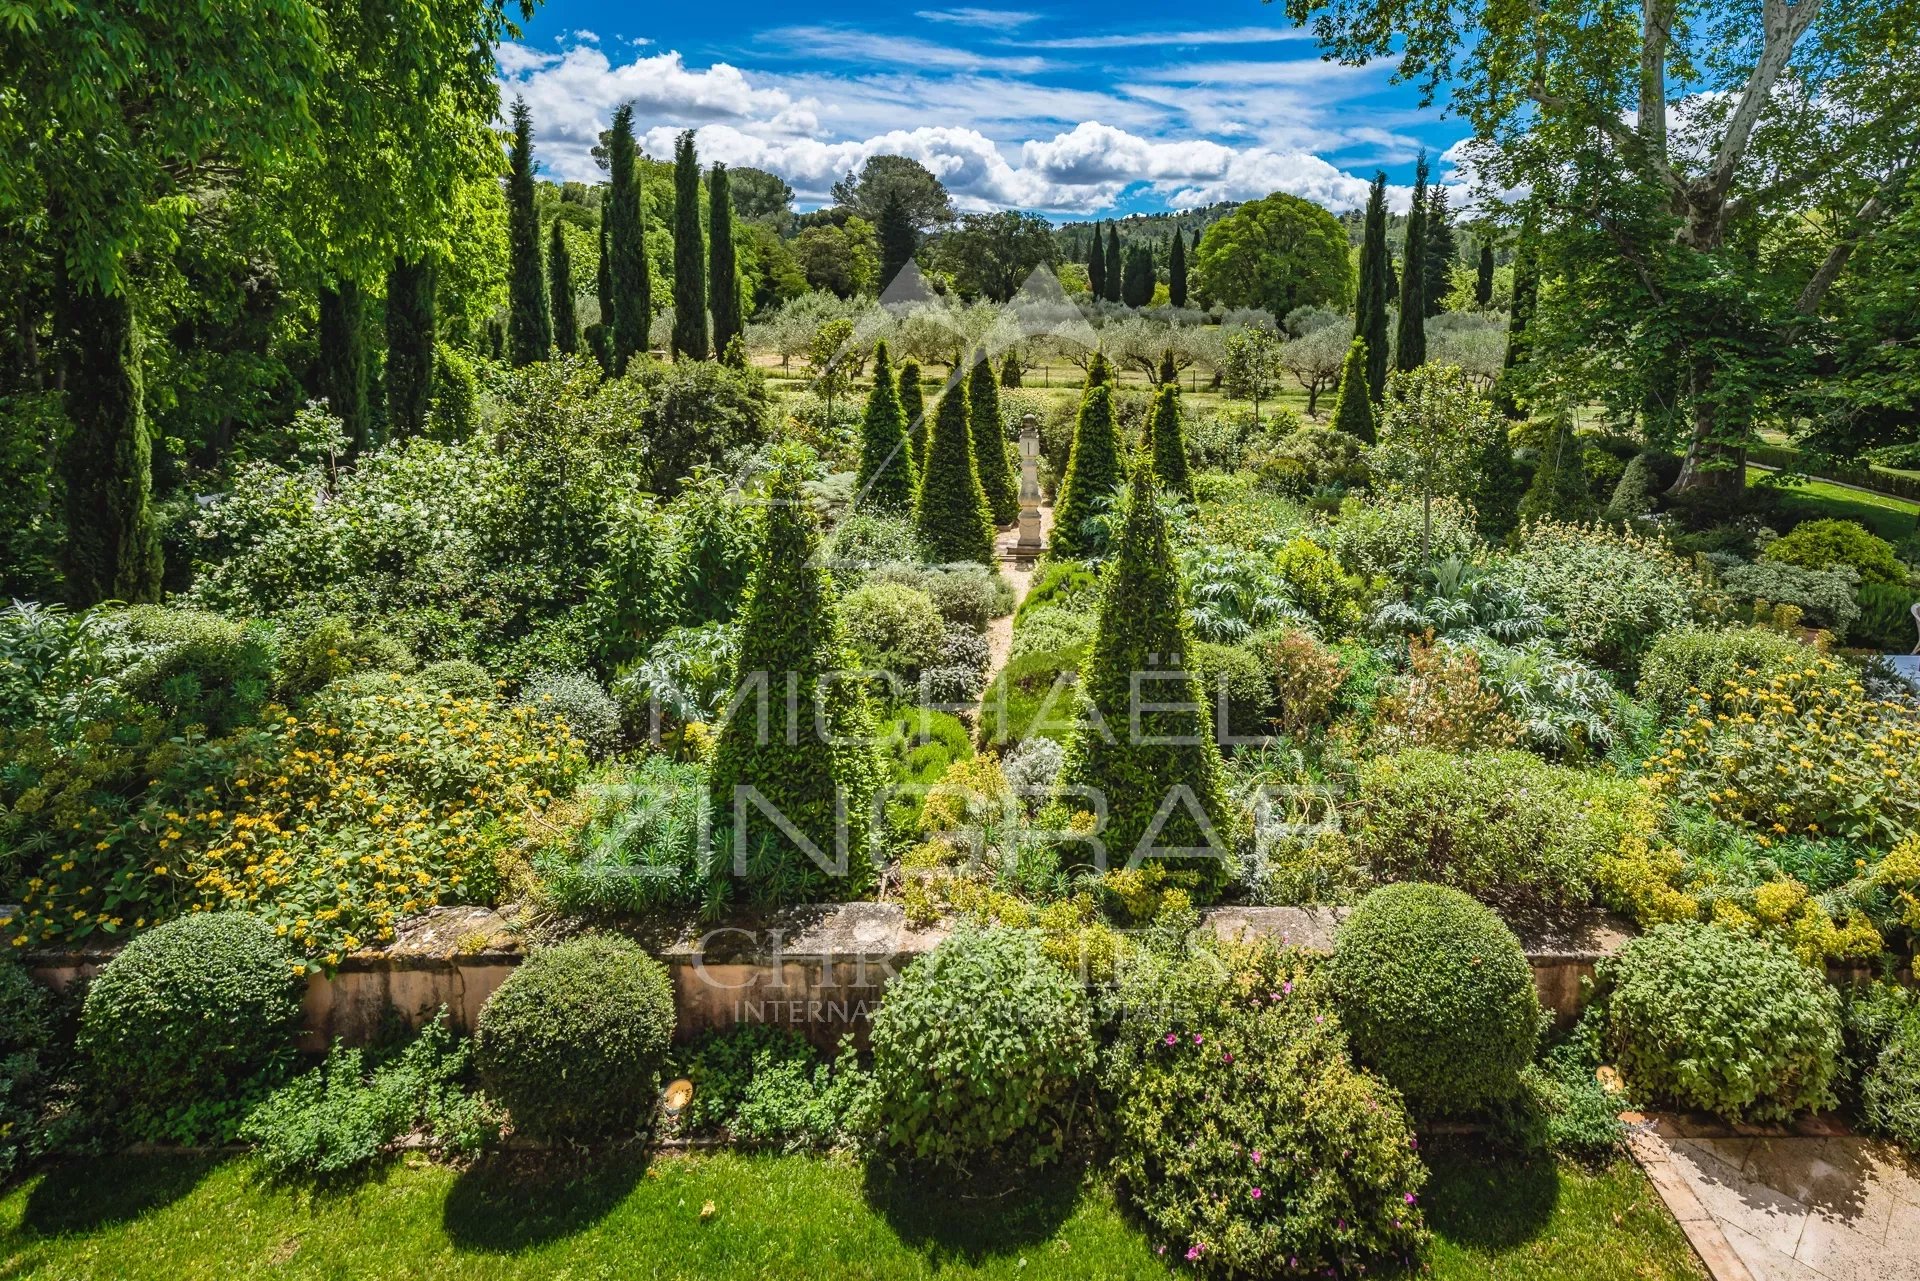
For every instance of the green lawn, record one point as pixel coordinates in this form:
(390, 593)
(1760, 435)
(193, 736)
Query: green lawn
(773, 1217)
(1891, 518)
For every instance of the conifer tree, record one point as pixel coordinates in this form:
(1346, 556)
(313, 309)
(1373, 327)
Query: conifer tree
(1559, 489)
(1158, 771)
(112, 550)
(1497, 484)
(1099, 371)
(410, 339)
(1483, 283)
(809, 754)
(723, 285)
(885, 479)
(1370, 307)
(1177, 270)
(1169, 442)
(343, 360)
(529, 326)
(630, 291)
(689, 255)
(1169, 374)
(566, 327)
(1526, 290)
(1136, 288)
(913, 407)
(1093, 473)
(898, 237)
(1096, 266)
(1010, 372)
(990, 442)
(1439, 250)
(1410, 346)
(951, 513)
(1113, 268)
(1352, 406)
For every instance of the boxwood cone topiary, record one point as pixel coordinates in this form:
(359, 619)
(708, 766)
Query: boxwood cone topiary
(1352, 407)
(573, 1042)
(1170, 442)
(990, 442)
(1093, 471)
(1160, 778)
(885, 480)
(1437, 996)
(813, 759)
(951, 515)
(914, 410)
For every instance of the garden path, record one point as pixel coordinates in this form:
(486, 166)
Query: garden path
(1019, 574)
(1810, 1202)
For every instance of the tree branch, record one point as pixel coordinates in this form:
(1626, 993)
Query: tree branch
(1783, 24)
(1836, 259)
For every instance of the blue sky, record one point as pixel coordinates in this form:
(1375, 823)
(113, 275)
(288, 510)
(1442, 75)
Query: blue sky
(1073, 108)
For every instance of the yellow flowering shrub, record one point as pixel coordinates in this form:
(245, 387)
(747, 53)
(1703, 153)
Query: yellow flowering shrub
(1898, 875)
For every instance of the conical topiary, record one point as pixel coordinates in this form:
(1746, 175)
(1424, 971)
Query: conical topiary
(913, 410)
(951, 515)
(1145, 744)
(808, 755)
(1169, 443)
(1352, 407)
(1559, 489)
(990, 443)
(1093, 473)
(885, 481)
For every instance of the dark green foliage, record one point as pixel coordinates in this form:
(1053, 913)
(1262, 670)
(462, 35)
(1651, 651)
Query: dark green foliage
(689, 254)
(913, 411)
(1096, 265)
(762, 1085)
(573, 1042)
(1883, 1026)
(198, 668)
(1497, 484)
(812, 757)
(1526, 296)
(1093, 468)
(1136, 286)
(566, 325)
(27, 1036)
(1633, 493)
(183, 1027)
(1371, 299)
(639, 849)
(1352, 406)
(1559, 487)
(723, 285)
(342, 360)
(1410, 346)
(625, 251)
(106, 461)
(1437, 996)
(1159, 774)
(1701, 1017)
(1032, 696)
(886, 479)
(897, 235)
(1483, 281)
(1111, 280)
(1439, 250)
(410, 343)
(529, 324)
(1169, 442)
(951, 514)
(1562, 1107)
(977, 1050)
(1886, 618)
(1177, 270)
(990, 442)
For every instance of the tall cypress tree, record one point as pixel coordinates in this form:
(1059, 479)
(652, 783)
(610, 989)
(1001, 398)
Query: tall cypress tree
(1096, 265)
(1440, 250)
(1136, 288)
(1526, 293)
(1410, 348)
(410, 339)
(1113, 268)
(689, 255)
(1169, 442)
(1177, 270)
(112, 550)
(529, 326)
(885, 480)
(343, 360)
(1370, 306)
(1352, 404)
(1093, 472)
(566, 327)
(1483, 283)
(951, 513)
(990, 442)
(898, 237)
(913, 405)
(628, 285)
(1148, 748)
(723, 285)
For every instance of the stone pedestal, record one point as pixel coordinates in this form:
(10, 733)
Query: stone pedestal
(1028, 543)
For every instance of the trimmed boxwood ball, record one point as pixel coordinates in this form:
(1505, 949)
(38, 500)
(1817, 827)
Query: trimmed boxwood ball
(182, 1025)
(1702, 1017)
(573, 1042)
(976, 1050)
(1437, 996)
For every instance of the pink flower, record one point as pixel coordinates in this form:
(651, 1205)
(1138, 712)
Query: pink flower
(1171, 1038)
(1256, 1194)
(1408, 1198)
(1340, 1225)
(1194, 1251)
(1197, 1038)
(1227, 1057)
(1161, 1249)
(1273, 996)
(1256, 1156)
(1287, 987)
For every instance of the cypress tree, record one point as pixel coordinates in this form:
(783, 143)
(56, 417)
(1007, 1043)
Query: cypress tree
(1099, 372)
(1093, 472)
(410, 338)
(1136, 290)
(1169, 442)
(112, 550)
(566, 326)
(1410, 347)
(990, 442)
(1440, 250)
(898, 237)
(1370, 308)
(1497, 483)
(689, 255)
(1393, 279)
(529, 327)
(1168, 373)
(1177, 270)
(951, 513)
(809, 754)
(885, 480)
(1158, 771)
(1096, 266)
(723, 285)
(1559, 489)
(1113, 268)
(1526, 292)
(1010, 372)
(1483, 283)
(343, 360)
(629, 288)
(913, 407)
(1352, 406)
